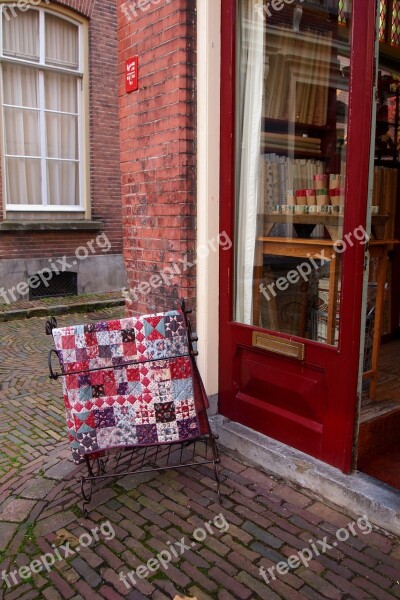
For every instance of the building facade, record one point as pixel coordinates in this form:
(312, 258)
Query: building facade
(250, 187)
(61, 215)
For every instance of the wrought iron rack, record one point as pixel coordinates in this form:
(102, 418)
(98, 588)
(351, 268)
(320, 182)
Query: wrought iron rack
(135, 460)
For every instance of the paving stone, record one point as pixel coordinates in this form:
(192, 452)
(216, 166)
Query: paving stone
(86, 571)
(55, 522)
(7, 531)
(347, 587)
(320, 585)
(51, 594)
(257, 586)
(61, 470)
(196, 592)
(17, 510)
(37, 489)
(231, 584)
(260, 535)
(197, 576)
(328, 514)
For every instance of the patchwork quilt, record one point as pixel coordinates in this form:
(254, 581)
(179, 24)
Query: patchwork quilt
(110, 403)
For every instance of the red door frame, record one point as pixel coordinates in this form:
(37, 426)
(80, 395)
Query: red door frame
(332, 441)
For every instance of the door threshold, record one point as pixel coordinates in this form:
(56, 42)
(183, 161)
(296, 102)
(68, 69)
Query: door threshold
(357, 493)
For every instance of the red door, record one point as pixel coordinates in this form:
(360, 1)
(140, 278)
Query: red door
(296, 105)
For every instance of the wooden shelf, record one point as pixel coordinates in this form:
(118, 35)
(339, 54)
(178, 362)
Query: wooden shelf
(332, 223)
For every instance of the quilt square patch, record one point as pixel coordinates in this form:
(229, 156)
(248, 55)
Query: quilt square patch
(145, 415)
(85, 393)
(168, 432)
(107, 437)
(81, 354)
(98, 391)
(188, 428)
(128, 336)
(104, 418)
(147, 434)
(182, 389)
(165, 412)
(104, 351)
(87, 441)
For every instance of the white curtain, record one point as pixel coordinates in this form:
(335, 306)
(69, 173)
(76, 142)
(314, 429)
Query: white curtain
(250, 99)
(21, 35)
(62, 47)
(62, 139)
(31, 156)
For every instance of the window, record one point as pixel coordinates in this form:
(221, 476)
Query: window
(43, 144)
(293, 68)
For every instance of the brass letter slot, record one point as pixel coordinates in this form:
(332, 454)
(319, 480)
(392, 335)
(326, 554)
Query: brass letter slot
(278, 345)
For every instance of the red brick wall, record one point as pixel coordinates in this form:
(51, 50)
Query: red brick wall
(158, 148)
(104, 146)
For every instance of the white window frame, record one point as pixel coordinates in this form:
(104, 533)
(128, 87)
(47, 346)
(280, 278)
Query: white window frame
(82, 106)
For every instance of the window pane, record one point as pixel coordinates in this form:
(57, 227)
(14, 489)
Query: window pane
(383, 19)
(62, 136)
(20, 86)
(395, 33)
(63, 183)
(62, 42)
(61, 92)
(21, 132)
(291, 132)
(23, 181)
(21, 34)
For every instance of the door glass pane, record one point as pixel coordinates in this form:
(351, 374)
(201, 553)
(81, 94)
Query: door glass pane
(291, 130)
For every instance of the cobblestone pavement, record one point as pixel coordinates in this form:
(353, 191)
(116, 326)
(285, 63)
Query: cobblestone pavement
(54, 301)
(170, 522)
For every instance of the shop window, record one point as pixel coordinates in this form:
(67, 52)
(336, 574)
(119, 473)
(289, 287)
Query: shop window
(42, 110)
(291, 138)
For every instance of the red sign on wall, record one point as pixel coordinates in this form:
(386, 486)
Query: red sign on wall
(132, 74)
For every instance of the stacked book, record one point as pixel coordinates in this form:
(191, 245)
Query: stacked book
(291, 143)
(278, 174)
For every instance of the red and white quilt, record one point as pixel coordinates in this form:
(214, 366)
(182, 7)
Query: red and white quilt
(118, 405)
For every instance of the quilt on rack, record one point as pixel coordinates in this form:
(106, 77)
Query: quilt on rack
(118, 405)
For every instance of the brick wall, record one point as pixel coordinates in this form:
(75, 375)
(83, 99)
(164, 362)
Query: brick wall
(158, 150)
(104, 146)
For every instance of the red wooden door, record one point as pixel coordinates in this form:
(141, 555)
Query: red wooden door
(288, 382)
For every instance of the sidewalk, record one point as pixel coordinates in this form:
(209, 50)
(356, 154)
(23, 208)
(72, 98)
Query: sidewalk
(263, 522)
(59, 306)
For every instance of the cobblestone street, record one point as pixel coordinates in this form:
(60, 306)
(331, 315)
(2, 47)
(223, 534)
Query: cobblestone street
(262, 522)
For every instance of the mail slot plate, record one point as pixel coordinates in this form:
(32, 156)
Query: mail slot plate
(278, 345)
